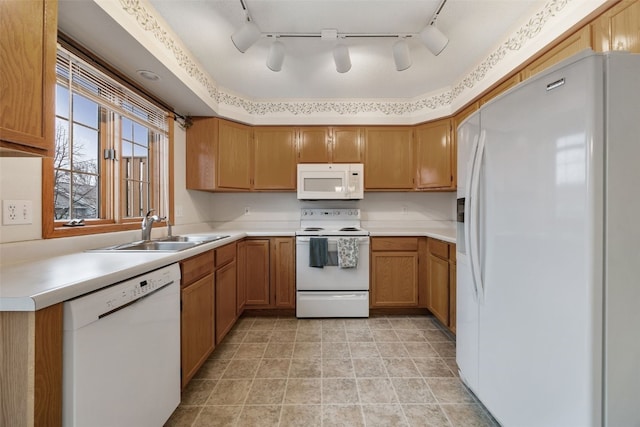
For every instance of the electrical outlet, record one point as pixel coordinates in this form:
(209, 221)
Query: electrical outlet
(405, 210)
(16, 212)
(247, 210)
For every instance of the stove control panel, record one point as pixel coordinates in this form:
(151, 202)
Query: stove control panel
(329, 214)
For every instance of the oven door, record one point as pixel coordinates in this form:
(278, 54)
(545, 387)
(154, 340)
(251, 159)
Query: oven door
(331, 277)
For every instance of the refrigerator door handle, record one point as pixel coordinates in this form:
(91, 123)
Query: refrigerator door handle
(467, 209)
(474, 234)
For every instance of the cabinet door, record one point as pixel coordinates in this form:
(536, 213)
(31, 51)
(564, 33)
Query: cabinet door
(225, 300)
(275, 158)
(394, 279)
(573, 44)
(452, 293)
(438, 287)
(388, 158)
(283, 280)
(196, 324)
(313, 145)
(241, 277)
(257, 273)
(434, 155)
(27, 75)
(202, 139)
(233, 158)
(346, 145)
(618, 28)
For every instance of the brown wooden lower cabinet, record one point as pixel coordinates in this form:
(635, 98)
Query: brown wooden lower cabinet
(394, 272)
(283, 278)
(441, 281)
(196, 325)
(225, 300)
(197, 313)
(414, 272)
(255, 273)
(269, 273)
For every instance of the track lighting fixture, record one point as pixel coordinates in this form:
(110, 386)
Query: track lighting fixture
(434, 39)
(342, 58)
(401, 55)
(276, 56)
(246, 36)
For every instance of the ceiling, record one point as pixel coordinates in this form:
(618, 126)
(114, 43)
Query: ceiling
(475, 28)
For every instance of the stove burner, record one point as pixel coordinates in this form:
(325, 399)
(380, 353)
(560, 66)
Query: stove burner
(349, 229)
(313, 229)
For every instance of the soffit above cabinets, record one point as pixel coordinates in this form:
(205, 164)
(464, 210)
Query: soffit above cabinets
(188, 44)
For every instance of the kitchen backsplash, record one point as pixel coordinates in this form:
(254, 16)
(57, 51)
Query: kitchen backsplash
(277, 207)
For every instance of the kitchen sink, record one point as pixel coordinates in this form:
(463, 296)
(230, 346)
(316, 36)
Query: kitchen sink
(165, 244)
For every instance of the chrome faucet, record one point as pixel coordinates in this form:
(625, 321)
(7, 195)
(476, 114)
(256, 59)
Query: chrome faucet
(147, 224)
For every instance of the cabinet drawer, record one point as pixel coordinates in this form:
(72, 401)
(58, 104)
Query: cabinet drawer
(225, 254)
(439, 248)
(394, 244)
(196, 267)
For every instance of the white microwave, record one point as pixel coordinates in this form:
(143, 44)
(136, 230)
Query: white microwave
(330, 181)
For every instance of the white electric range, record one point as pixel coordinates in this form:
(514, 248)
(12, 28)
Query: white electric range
(331, 290)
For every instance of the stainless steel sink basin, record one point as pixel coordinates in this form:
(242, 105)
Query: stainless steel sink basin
(166, 244)
(197, 239)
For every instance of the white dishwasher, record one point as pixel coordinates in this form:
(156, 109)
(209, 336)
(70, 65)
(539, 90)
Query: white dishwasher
(122, 353)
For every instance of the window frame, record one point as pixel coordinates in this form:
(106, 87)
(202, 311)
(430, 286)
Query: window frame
(52, 228)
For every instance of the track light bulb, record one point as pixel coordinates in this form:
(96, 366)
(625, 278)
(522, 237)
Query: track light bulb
(401, 55)
(342, 58)
(434, 39)
(276, 56)
(246, 36)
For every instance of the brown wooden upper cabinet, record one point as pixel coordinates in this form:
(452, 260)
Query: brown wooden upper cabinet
(218, 155)
(27, 76)
(389, 158)
(434, 155)
(573, 44)
(618, 28)
(228, 156)
(233, 168)
(274, 158)
(329, 144)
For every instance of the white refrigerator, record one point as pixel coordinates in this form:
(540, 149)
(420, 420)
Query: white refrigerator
(548, 250)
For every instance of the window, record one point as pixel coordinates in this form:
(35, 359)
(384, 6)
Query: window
(112, 153)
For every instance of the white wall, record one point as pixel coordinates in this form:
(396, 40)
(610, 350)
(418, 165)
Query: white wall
(21, 179)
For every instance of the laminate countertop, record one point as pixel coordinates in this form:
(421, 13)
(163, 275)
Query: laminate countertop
(34, 285)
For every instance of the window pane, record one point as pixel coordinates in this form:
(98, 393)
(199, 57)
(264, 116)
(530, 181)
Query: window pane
(85, 149)
(127, 129)
(61, 194)
(85, 111)
(85, 196)
(62, 101)
(62, 155)
(140, 135)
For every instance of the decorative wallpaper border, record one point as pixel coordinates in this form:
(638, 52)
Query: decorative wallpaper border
(147, 21)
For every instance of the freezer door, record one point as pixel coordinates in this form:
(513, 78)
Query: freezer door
(540, 320)
(466, 295)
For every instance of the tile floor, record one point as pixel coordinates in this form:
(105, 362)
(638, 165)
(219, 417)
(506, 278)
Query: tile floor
(382, 371)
